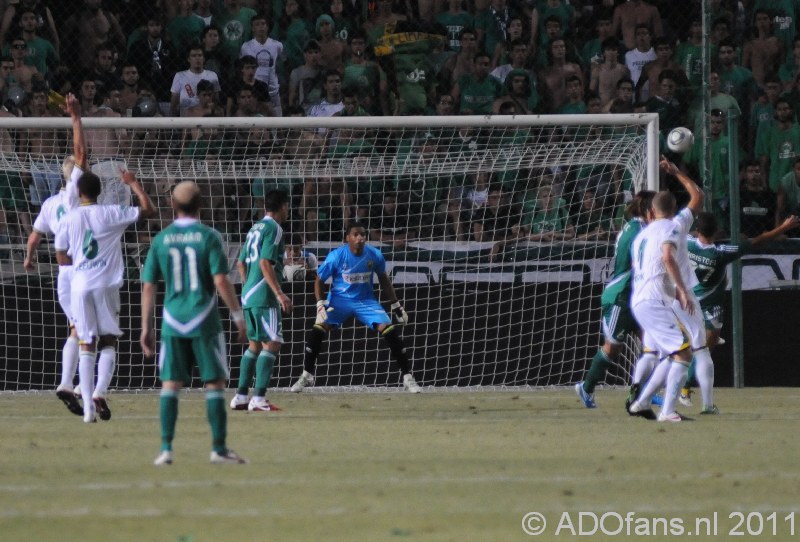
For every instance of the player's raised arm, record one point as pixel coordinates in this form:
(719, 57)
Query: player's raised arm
(147, 209)
(696, 196)
(788, 224)
(73, 107)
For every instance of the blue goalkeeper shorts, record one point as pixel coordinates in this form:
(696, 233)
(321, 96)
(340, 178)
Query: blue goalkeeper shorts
(368, 311)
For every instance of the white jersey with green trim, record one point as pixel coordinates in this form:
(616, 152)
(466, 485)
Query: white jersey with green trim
(92, 236)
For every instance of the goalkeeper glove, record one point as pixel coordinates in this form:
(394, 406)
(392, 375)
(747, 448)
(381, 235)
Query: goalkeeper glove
(400, 315)
(323, 308)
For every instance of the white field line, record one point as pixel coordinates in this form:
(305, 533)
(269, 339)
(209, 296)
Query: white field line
(399, 481)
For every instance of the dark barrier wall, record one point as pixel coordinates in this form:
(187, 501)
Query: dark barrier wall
(462, 335)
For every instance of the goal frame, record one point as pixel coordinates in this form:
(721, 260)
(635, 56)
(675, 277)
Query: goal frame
(256, 166)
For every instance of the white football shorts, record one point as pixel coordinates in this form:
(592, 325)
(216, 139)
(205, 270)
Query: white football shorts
(63, 283)
(694, 324)
(96, 313)
(663, 330)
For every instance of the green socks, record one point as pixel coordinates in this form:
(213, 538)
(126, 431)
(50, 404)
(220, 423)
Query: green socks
(246, 368)
(264, 365)
(217, 419)
(597, 371)
(169, 416)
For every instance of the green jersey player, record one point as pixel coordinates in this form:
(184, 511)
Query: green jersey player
(709, 261)
(260, 265)
(190, 259)
(617, 320)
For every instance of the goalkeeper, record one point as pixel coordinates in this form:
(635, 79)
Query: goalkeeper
(351, 268)
(618, 319)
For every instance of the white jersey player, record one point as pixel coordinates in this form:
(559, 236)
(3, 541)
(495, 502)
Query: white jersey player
(657, 283)
(90, 239)
(47, 223)
(692, 320)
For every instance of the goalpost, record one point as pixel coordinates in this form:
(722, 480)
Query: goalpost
(498, 233)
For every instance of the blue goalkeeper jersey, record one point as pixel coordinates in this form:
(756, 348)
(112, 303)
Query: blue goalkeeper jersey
(352, 275)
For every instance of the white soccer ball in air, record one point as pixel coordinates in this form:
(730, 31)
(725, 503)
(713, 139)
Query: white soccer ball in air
(294, 273)
(680, 140)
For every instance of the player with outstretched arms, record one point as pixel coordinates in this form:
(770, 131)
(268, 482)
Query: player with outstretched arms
(617, 319)
(709, 261)
(351, 268)
(90, 239)
(54, 209)
(189, 257)
(657, 285)
(260, 265)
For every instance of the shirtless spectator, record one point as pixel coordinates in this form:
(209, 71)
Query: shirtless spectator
(24, 75)
(555, 75)
(86, 29)
(333, 50)
(606, 74)
(46, 151)
(763, 53)
(628, 16)
(206, 106)
(130, 87)
(105, 143)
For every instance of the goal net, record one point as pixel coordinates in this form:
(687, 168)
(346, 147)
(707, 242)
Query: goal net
(498, 233)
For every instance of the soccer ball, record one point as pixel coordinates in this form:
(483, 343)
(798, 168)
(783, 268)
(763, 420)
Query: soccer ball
(680, 140)
(294, 273)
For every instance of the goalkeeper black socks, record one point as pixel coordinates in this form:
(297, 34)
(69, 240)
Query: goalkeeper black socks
(395, 342)
(314, 340)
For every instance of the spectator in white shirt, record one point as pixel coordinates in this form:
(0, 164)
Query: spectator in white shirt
(184, 84)
(331, 103)
(269, 55)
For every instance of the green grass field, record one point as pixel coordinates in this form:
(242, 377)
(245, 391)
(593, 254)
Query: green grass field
(390, 466)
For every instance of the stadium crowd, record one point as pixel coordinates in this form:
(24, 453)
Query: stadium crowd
(215, 58)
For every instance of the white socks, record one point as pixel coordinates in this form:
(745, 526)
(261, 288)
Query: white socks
(105, 370)
(644, 366)
(704, 373)
(654, 384)
(86, 372)
(69, 362)
(676, 378)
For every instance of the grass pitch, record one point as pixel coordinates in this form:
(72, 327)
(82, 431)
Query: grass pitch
(372, 467)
